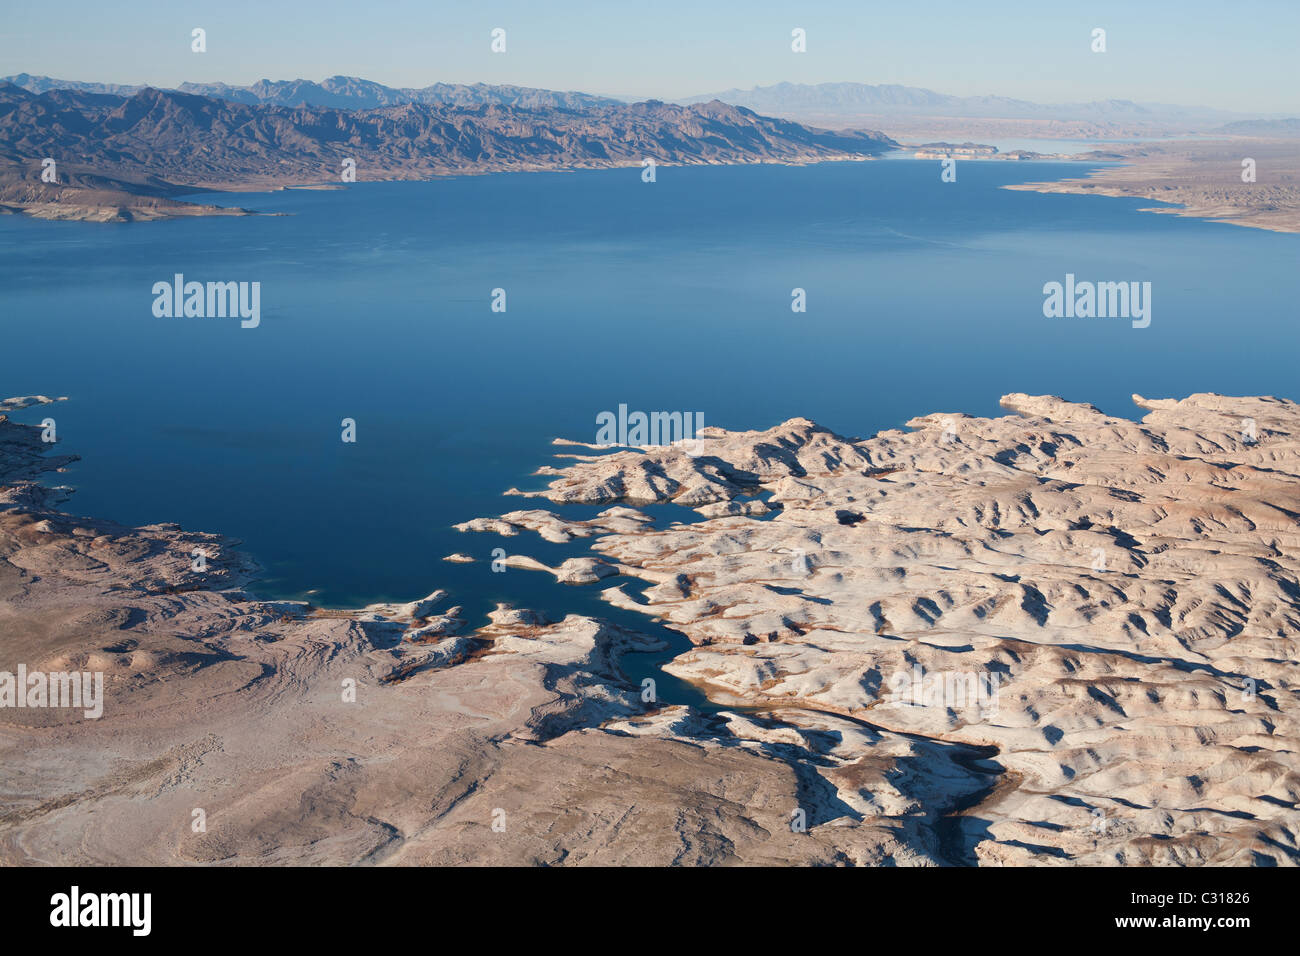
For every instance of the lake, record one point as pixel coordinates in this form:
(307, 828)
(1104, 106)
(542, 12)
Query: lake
(922, 296)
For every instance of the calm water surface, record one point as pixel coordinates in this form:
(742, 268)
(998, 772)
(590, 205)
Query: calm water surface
(922, 297)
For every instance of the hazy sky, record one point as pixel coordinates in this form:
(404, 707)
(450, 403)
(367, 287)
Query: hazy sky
(1239, 55)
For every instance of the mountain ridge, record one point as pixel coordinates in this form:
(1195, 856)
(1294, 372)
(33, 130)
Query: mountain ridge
(864, 98)
(162, 143)
(350, 92)
(341, 92)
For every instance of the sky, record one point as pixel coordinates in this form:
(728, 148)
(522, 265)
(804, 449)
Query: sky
(1237, 56)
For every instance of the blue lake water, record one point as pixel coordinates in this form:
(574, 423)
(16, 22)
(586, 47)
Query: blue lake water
(922, 297)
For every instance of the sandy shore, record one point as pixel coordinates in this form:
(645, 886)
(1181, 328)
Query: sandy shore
(1204, 179)
(98, 203)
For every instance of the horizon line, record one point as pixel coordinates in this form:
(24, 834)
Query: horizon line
(629, 97)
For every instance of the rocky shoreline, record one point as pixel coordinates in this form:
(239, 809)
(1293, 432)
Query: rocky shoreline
(1114, 604)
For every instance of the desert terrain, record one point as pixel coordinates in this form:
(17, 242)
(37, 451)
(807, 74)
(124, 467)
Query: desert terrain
(1128, 591)
(1203, 179)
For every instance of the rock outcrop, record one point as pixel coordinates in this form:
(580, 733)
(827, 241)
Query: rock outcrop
(1111, 606)
(1055, 637)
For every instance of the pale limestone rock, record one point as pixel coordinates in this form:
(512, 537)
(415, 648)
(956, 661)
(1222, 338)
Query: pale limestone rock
(1131, 589)
(1134, 588)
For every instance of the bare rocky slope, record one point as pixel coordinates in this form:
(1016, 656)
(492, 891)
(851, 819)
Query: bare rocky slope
(343, 92)
(162, 143)
(1130, 591)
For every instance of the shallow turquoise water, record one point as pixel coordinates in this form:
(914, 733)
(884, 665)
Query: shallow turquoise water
(922, 296)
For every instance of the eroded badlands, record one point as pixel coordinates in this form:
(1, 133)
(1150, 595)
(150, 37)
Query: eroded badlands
(1130, 590)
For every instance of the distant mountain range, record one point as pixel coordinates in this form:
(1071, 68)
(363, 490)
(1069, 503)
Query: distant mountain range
(789, 100)
(344, 92)
(163, 142)
(114, 143)
(780, 99)
(1279, 127)
(828, 99)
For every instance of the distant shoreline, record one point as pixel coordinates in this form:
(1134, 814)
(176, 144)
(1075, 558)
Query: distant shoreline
(123, 159)
(1198, 179)
(1202, 180)
(121, 206)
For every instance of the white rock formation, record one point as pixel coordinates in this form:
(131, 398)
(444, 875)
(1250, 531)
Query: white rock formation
(1054, 637)
(1112, 606)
